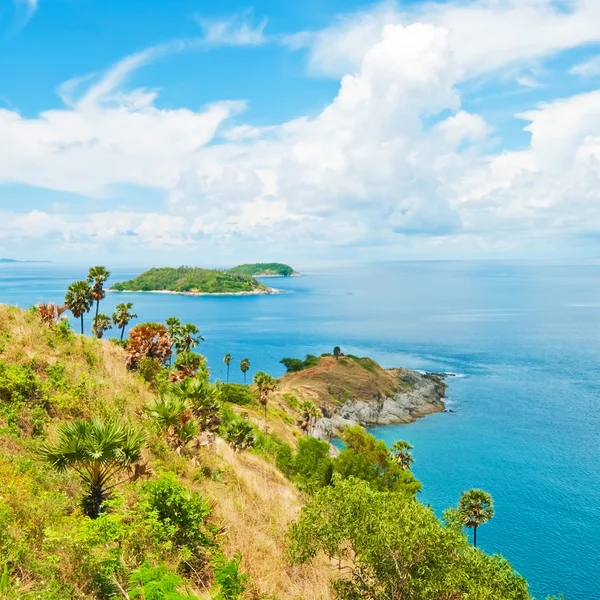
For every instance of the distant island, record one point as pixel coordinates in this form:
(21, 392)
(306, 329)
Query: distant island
(264, 270)
(193, 281)
(14, 260)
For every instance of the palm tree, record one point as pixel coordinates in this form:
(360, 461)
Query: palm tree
(51, 313)
(244, 366)
(97, 276)
(122, 316)
(227, 361)
(475, 508)
(78, 299)
(183, 337)
(100, 324)
(265, 384)
(174, 418)
(98, 451)
(401, 454)
(336, 352)
(204, 400)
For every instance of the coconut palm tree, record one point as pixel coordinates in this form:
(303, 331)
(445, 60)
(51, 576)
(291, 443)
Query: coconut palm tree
(96, 277)
(122, 316)
(99, 451)
(227, 361)
(100, 324)
(475, 508)
(265, 384)
(401, 454)
(78, 299)
(244, 366)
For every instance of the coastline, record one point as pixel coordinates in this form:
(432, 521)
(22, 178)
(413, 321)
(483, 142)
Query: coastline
(266, 292)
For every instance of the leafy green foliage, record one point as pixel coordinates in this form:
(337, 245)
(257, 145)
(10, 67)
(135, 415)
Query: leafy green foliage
(475, 508)
(98, 451)
(394, 547)
(294, 365)
(122, 316)
(190, 279)
(156, 583)
(237, 394)
(367, 458)
(262, 269)
(311, 468)
(239, 433)
(229, 578)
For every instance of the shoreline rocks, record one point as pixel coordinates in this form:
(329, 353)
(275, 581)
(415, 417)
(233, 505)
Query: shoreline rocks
(418, 395)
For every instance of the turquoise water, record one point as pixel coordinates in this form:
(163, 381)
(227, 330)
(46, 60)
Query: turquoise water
(524, 340)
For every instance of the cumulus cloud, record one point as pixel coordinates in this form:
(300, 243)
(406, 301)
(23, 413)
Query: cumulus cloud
(392, 162)
(236, 30)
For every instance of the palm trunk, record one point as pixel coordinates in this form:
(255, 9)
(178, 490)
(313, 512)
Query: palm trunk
(227, 373)
(475, 536)
(122, 332)
(81, 323)
(97, 307)
(244, 377)
(266, 418)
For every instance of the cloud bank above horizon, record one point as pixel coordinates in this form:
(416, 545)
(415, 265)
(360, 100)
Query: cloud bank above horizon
(398, 163)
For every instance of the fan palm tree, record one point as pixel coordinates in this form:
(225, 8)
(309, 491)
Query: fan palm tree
(204, 400)
(401, 454)
(99, 451)
(78, 299)
(122, 316)
(227, 361)
(96, 277)
(174, 418)
(100, 324)
(244, 366)
(265, 384)
(51, 313)
(475, 508)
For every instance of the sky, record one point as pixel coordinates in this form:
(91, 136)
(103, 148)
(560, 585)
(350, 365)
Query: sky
(212, 133)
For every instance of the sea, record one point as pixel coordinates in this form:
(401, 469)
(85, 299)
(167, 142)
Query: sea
(522, 340)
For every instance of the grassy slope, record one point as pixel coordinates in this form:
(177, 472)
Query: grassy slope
(253, 502)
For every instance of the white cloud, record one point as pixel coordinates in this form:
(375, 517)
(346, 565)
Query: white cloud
(588, 68)
(367, 171)
(236, 30)
(486, 35)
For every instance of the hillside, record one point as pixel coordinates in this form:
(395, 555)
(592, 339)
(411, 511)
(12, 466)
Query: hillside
(212, 506)
(352, 390)
(192, 281)
(264, 270)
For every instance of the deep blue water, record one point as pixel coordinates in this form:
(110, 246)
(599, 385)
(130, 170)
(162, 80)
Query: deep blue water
(525, 340)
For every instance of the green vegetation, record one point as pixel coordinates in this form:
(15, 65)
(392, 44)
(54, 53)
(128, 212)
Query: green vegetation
(244, 367)
(122, 316)
(97, 277)
(394, 547)
(78, 299)
(227, 361)
(265, 385)
(293, 365)
(263, 270)
(191, 280)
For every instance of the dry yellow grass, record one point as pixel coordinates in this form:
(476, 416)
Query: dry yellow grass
(255, 504)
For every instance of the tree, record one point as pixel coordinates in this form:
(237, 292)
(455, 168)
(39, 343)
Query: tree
(78, 299)
(100, 324)
(188, 364)
(204, 400)
(51, 313)
(310, 413)
(99, 451)
(337, 352)
(122, 316)
(227, 361)
(475, 508)
(265, 384)
(244, 366)
(239, 434)
(391, 546)
(96, 277)
(184, 336)
(174, 418)
(148, 340)
(401, 454)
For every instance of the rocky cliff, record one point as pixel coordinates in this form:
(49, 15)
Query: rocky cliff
(352, 391)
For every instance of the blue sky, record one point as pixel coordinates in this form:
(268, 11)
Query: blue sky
(166, 132)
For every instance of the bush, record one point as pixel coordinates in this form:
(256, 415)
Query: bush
(231, 582)
(184, 511)
(294, 365)
(237, 394)
(149, 368)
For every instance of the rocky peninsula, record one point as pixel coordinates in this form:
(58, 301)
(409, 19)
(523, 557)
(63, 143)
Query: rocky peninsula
(349, 390)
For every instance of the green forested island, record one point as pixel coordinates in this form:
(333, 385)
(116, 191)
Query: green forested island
(192, 280)
(264, 270)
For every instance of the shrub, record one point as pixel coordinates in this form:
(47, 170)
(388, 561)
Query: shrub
(237, 394)
(156, 583)
(186, 512)
(149, 368)
(231, 582)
